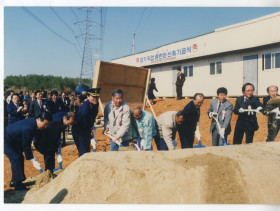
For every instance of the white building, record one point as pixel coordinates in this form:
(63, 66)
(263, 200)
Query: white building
(228, 57)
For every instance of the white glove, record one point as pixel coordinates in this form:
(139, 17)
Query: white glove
(197, 133)
(241, 110)
(258, 109)
(142, 143)
(210, 114)
(93, 143)
(222, 132)
(59, 158)
(36, 164)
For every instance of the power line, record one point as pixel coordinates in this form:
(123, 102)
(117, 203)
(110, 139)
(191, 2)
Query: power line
(46, 26)
(61, 19)
(145, 22)
(140, 20)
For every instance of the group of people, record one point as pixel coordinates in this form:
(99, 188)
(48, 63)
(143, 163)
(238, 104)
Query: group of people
(47, 120)
(44, 125)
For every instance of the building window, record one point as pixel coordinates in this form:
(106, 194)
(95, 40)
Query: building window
(188, 71)
(215, 68)
(271, 61)
(176, 68)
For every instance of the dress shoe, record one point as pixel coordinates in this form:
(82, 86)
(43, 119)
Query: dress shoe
(12, 184)
(19, 186)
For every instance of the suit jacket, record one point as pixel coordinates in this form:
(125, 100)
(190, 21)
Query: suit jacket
(249, 121)
(191, 117)
(66, 104)
(20, 135)
(119, 124)
(14, 114)
(35, 109)
(85, 117)
(54, 107)
(180, 79)
(47, 141)
(167, 128)
(224, 115)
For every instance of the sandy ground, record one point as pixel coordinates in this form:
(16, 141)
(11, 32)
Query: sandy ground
(182, 173)
(215, 175)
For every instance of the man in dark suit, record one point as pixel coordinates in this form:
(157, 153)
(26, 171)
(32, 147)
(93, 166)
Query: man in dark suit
(47, 141)
(273, 123)
(31, 99)
(54, 104)
(17, 139)
(66, 102)
(179, 83)
(37, 106)
(191, 114)
(15, 110)
(222, 110)
(247, 121)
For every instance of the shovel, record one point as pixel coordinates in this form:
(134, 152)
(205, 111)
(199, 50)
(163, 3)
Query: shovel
(219, 128)
(60, 163)
(197, 134)
(118, 142)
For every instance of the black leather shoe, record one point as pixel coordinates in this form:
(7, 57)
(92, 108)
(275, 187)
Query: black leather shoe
(19, 186)
(12, 184)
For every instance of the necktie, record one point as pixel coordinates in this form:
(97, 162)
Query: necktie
(219, 108)
(40, 103)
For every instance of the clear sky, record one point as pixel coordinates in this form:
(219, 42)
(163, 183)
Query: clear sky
(30, 48)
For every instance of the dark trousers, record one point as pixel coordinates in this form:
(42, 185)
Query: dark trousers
(82, 140)
(115, 147)
(273, 129)
(162, 145)
(239, 133)
(14, 153)
(63, 137)
(187, 141)
(49, 159)
(179, 92)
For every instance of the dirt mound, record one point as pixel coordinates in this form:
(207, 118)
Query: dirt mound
(214, 175)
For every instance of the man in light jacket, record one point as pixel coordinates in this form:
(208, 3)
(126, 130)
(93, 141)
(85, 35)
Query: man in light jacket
(222, 110)
(144, 126)
(167, 127)
(117, 120)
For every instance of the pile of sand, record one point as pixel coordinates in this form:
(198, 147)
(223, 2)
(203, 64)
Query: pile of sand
(220, 175)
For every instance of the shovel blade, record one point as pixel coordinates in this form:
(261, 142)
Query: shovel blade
(199, 145)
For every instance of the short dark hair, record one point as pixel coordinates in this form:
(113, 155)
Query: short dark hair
(222, 90)
(153, 80)
(15, 94)
(117, 92)
(267, 89)
(45, 116)
(179, 68)
(37, 92)
(54, 92)
(180, 113)
(198, 94)
(247, 84)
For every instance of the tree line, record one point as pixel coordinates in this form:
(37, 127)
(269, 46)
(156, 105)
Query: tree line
(42, 82)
